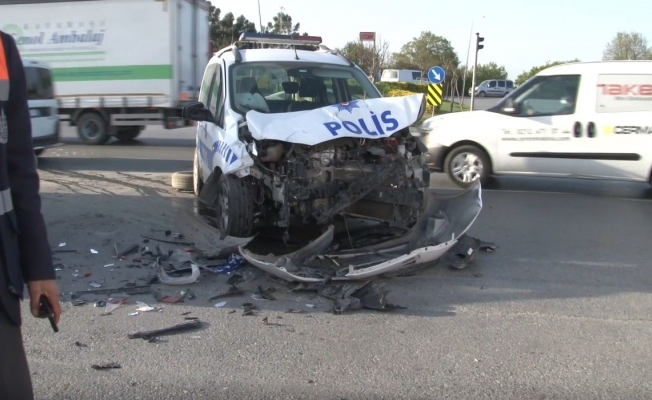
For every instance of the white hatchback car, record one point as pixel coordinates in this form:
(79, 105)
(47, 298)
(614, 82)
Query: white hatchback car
(296, 134)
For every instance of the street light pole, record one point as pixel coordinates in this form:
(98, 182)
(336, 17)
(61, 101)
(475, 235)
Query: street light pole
(260, 18)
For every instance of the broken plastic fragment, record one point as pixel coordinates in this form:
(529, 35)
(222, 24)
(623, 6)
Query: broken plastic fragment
(106, 366)
(220, 304)
(133, 313)
(144, 307)
(310, 305)
(184, 280)
(109, 265)
(184, 327)
(95, 285)
(62, 244)
(94, 251)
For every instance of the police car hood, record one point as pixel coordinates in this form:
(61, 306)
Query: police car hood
(363, 119)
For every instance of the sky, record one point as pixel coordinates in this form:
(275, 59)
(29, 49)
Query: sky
(518, 34)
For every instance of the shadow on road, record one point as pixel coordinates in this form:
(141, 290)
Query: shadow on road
(114, 164)
(140, 142)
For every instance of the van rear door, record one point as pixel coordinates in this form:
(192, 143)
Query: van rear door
(42, 104)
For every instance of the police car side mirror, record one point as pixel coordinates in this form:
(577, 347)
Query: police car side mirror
(509, 107)
(197, 112)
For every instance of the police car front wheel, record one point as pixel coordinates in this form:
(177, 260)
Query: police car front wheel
(467, 164)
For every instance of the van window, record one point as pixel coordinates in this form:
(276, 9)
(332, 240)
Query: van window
(501, 84)
(491, 84)
(624, 93)
(548, 95)
(416, 75)
(39, 83)
(510, 85)
(392, 74)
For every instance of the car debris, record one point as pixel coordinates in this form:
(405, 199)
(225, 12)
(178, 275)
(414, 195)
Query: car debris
(364, 248)
(179, 328)
(465, 251)
(163, 277)
(169, 241)
(230, 292)
(263, 294)
(126, 250)
(80, 344)
(220, 304)
(126, 290)
(111, 365)
(248, 309)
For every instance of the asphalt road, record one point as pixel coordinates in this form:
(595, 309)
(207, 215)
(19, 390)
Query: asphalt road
(561, 310)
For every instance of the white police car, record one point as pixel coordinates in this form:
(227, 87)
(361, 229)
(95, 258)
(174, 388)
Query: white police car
(293, 133)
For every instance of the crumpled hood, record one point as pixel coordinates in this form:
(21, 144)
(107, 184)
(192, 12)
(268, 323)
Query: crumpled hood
(364, 119)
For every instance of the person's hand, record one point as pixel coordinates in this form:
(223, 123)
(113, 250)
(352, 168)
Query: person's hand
(48, 289)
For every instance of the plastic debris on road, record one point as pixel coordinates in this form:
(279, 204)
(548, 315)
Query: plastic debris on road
(220, 304)
(233, 262)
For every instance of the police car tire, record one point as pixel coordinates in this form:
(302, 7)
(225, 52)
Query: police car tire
(103, 135)
(481, 154)
(182, 181)
(240, 192)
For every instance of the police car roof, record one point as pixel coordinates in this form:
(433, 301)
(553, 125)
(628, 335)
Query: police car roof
(600, 67)
(271, 55)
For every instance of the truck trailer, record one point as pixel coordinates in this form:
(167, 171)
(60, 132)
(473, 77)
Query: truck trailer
(117, 65)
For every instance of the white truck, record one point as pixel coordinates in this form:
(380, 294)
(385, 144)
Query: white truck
(118, 65)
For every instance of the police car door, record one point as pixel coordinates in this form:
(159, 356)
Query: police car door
(618, 135)
(539, 136)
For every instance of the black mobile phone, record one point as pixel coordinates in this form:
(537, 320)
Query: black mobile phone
(46, 310)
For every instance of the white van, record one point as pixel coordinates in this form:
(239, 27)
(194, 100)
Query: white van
(583, 120)
(42, 105)
(403, 75)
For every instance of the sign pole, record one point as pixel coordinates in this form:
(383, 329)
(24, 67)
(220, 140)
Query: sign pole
(435, 93)
(475, 66)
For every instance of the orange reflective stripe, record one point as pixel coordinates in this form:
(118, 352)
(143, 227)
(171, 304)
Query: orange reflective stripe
(4, 73)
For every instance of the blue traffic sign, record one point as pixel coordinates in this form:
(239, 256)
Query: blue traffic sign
(436, 75)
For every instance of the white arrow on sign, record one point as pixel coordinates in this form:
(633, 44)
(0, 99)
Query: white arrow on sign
(437, 76)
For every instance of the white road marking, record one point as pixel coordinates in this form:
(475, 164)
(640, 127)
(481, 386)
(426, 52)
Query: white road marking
(578, 263)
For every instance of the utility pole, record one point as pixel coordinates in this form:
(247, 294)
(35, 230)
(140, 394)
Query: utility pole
(260, 18)
(478, 46)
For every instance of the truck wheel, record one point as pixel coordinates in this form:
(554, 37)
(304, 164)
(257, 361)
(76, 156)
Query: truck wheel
(197, 183)
(92, 129)
(235, 206)
(182, 181)
(127, 133)
(467, 164)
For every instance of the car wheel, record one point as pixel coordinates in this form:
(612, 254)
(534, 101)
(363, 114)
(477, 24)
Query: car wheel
(481, 94)
(92, 128)
(235, 206)
(182, 181)
(197, 183)
(467, 164)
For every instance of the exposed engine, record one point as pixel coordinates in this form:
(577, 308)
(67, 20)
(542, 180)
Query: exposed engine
(382, 179)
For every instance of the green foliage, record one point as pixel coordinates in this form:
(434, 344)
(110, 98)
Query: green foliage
(627, 46)
(535, 70)
(282, 25)
(490, 71)
(227, 29)
(386, 87)
(371, 60)
(425, 51)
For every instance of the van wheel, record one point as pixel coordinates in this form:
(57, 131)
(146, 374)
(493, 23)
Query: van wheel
(93, 129)
(481, 94)
(467, 164)
(235, 206)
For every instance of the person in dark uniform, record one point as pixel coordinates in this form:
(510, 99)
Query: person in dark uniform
(25, 254)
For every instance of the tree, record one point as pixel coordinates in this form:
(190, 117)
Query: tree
(627, 46)
(363, 54)
(282, 25)
(535, 70)
(227, 30)
(426, 51)
(490, 71)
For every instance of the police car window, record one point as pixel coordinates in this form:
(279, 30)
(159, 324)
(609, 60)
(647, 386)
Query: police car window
(206, 84)
(215, 93)
(279, 87)
(549, 95)
(39, 83)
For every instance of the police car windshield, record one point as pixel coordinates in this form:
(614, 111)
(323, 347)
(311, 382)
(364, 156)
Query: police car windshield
(279, 87)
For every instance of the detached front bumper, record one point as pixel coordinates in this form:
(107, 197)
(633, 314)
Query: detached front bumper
(446, 218)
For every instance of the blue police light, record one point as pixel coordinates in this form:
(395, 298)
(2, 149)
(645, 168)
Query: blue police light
(250, 37)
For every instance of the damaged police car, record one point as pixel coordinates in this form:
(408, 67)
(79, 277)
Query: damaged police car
(291, 133)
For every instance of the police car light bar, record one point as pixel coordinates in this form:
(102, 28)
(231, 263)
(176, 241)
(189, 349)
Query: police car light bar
(279, 39)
